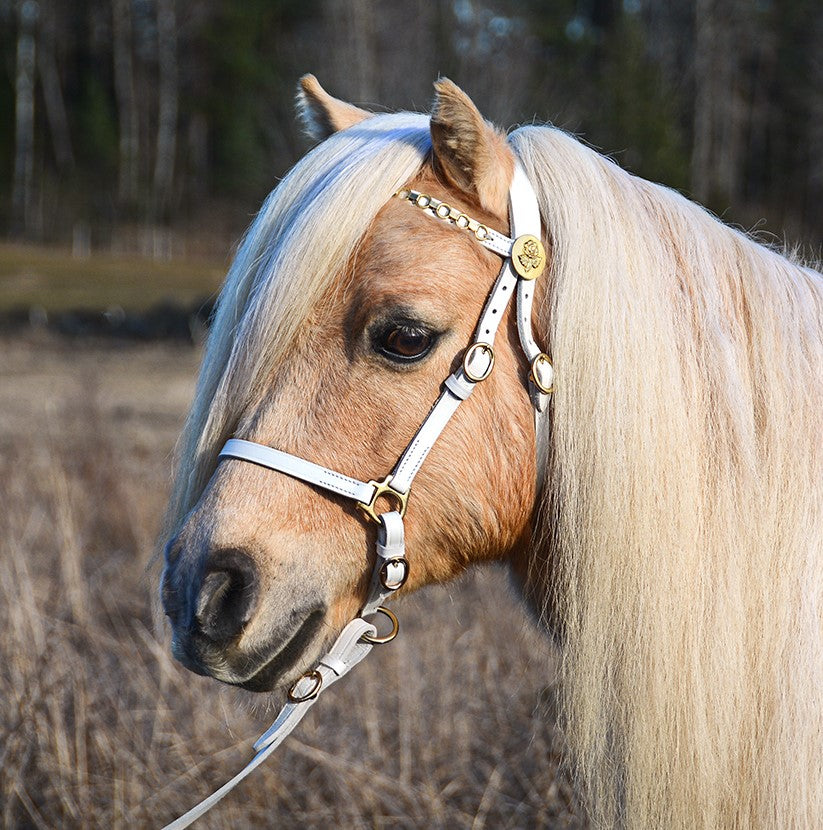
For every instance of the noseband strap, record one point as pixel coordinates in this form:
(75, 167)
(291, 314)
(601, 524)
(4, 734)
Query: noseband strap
(523, 261)
(297, 467)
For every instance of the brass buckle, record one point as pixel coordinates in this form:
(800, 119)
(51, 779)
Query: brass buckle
(537, 374)
(313, 691)
(384, 573)
(386, 638)
(383, 488)
(479, 346)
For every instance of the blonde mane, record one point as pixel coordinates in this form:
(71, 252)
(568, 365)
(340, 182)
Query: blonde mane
(683, 485)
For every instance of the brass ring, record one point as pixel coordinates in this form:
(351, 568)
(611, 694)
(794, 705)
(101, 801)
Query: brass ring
(443, 210)
(312, 692)
(423, 201)
(479, 346)
(398, 560)
(383, 488)
(377, 641)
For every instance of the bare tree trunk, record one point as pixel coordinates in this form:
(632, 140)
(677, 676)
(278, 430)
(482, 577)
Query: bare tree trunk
(129, 144)
(197, 157)
(813, 213)
(350, 30)
(720, 109)
(22, 188)
(702, 148)
(362, 19)
(167, 107)
(53, 92)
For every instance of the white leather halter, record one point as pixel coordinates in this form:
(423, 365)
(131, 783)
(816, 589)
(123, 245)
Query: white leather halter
(523, 261)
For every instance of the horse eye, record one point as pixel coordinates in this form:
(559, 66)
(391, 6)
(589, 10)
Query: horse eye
(405, 343)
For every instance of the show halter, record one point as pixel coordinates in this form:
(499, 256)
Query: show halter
(523, 261)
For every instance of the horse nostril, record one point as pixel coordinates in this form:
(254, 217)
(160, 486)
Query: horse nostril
(227, 595)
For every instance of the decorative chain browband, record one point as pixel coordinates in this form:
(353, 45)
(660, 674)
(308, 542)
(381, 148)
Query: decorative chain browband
(527, 252)
(446, 212)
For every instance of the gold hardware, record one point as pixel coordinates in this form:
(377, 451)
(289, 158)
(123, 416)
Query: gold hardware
(383, 488)
(384, 573)
(317, 679)
(541, 366)
(478, 347)
(387, 638)
(528, 256)
(445, 212)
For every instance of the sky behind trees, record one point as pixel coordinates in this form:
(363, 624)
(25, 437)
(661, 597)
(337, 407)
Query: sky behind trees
(157, 113)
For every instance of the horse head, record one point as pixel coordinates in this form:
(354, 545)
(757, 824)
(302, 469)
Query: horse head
(345, 310)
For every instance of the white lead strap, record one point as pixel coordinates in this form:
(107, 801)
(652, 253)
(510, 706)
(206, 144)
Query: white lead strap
(523, 261)
(348, 650)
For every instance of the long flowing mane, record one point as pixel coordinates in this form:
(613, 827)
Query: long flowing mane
(682, 521)
(685, 483)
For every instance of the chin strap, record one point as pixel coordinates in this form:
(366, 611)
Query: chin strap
(523, 261)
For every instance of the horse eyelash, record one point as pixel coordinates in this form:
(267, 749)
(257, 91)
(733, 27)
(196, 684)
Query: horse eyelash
(380, 331)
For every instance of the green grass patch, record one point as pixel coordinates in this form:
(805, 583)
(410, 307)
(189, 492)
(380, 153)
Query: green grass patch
(54, 279)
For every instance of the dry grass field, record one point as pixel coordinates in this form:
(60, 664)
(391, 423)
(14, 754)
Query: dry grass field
(449, 726)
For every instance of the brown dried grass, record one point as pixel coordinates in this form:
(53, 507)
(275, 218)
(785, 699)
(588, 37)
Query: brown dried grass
(450, 726)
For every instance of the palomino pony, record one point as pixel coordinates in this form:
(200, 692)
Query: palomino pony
(662, 514)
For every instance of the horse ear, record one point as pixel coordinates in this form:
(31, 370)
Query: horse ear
(471, 153)
(323, 114)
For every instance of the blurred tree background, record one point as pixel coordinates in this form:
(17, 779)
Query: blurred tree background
(156, 127)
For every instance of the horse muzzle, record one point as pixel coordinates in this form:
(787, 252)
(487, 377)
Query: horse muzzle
(209, 622)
